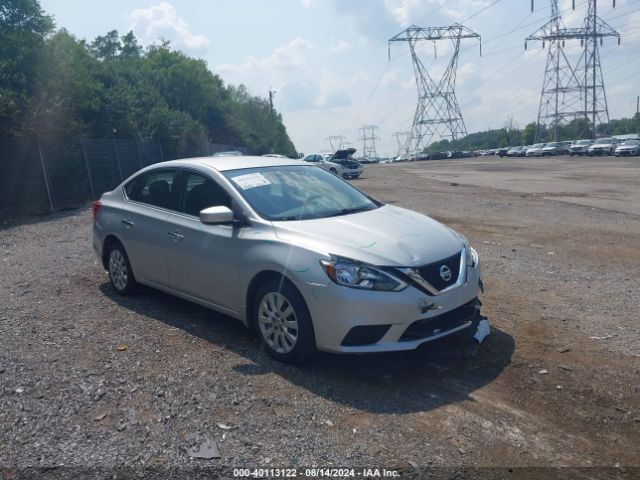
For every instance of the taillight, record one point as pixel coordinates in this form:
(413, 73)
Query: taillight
(95, 207)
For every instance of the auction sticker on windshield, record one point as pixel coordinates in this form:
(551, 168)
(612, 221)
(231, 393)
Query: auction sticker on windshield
(251, 180)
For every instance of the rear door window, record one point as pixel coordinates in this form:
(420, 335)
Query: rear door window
(155, 188)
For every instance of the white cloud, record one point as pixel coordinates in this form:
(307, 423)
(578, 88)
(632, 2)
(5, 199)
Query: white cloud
(401, 10)
(162, 20)
(340, 47)
(408, 12)
(286, 69)
(466, 72)
(291, 56)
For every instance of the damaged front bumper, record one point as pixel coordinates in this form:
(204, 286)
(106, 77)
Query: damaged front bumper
(359, 321)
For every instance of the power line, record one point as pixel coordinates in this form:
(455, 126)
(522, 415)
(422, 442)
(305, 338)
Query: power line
(480, 11)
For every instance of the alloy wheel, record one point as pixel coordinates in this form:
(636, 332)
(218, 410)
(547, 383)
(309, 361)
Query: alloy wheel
(278, 322)
(118, 269)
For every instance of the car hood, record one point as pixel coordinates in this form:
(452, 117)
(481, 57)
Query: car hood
(386, 236)
(344, 154)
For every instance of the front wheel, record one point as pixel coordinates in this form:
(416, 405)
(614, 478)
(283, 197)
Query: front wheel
(120, 272)
(283, 322)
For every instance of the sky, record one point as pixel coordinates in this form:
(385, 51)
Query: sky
(332, 71)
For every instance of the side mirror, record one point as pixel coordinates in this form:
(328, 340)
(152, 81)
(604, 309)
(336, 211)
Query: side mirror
(216, 215)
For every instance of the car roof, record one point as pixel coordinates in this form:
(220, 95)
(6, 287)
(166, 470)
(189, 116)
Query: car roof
(223, 164)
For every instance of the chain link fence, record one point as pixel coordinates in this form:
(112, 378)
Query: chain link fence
(40, 174)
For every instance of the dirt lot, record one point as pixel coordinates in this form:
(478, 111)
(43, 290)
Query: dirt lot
(556, 383)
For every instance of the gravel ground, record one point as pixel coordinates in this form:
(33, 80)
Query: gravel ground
(90, 379)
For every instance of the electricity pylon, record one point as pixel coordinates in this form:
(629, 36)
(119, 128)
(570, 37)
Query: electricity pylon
(437, 111)
(570, 92)
(369, 138)
(403, 142)
(336, 142)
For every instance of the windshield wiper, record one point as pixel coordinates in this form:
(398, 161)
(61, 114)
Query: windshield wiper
(347, 211)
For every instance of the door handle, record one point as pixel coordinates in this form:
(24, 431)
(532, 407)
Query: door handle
(127, 223)
(176, 235)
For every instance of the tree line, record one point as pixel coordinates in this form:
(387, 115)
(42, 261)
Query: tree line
(54, 83)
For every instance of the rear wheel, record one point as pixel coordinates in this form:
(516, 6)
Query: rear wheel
(120, 272)
(283, 322)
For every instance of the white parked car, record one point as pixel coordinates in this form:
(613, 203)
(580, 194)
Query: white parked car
(322, 160)
(300, 256)
(603, 146)
(514, 151)
(580, 147)
(350, 168)
(230, 153)
(628, 148)
(534, 150)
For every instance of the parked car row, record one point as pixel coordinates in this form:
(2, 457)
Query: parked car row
(601, 146)
(430, 156)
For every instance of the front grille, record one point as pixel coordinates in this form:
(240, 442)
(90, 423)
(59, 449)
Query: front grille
(429, 327)
(432, 272)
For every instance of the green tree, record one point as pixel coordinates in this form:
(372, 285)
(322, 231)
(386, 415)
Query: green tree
(115, 88)
(23, 29)
(129, 47)
(107, 47)
(529, 133)
(66, 95)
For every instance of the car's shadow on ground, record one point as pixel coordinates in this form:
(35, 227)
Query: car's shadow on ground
(442, 372)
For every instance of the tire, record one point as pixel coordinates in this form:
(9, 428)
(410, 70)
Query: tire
(120, 272)
(333, 170)
(283, 323)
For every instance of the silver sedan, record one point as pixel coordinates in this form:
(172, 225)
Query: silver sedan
(301, 257)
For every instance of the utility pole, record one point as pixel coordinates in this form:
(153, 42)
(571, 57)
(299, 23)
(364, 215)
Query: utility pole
(638, 114)
(369, 138)
(437, 111)
(566, 94)
(273, 120)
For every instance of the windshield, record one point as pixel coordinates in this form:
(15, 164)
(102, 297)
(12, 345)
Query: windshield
(583, 142)
(298, 192)
(603, 141)
(553, 144)
(631, 142)
(537, 145)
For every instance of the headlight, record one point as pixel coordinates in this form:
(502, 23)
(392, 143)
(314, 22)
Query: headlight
(472, 256)
(354, 274)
